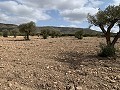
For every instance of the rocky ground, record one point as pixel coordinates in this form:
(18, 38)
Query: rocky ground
(56, 64)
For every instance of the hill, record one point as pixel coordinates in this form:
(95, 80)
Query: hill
(7, 26)
(63, 30)
(70, 30)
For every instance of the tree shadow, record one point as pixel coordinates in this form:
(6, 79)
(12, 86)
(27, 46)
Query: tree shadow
(76, 59)
(73, 59)
(20, 40)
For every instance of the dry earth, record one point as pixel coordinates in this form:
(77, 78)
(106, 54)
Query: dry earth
(56, 64)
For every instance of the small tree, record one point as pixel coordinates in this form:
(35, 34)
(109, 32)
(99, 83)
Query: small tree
(79, 34)
(106, 19)
(5, 33)
(54, 33)
(38, 34)
(27, 29)
(45, 32)
(14, 32)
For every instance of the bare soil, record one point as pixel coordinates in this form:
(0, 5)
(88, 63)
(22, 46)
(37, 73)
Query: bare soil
(63, 63)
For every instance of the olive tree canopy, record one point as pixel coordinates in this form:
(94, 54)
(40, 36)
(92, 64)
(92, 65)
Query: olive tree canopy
(27, 28)
(106, 19)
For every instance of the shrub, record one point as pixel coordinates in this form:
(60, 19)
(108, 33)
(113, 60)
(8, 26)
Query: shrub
(27, 29)
(58, 34)
(5, 33)
(45, 33)
(79, 34)
(38, 34)
(106, 51)
(54, 33)
(14, 32)
(0, 33)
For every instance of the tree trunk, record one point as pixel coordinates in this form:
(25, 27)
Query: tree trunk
(115, 39)
(14, 35)
(107, 35)
(27, 38)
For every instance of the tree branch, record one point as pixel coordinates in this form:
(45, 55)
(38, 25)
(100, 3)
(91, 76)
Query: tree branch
(115, 39)
(112, 24)
(102, 28)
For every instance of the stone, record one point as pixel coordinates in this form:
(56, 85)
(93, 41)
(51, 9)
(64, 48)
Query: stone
(79, 88)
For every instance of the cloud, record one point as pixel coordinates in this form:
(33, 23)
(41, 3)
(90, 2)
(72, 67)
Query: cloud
(72, 25)
(115, 29)
(78, 15)
(95, 3)
(71, 10)
(74, 11)
(96, 28)
(13, 12)
(116, 2)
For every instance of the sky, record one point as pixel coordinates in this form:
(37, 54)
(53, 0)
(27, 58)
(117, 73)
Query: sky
(61, 13)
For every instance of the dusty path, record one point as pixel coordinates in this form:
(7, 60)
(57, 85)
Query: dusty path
(54, 63)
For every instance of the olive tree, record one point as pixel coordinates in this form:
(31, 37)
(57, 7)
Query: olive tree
(45, 32)
(79, 34)
(106, 20)
(27, 29)
(14, 32)
(5, 33)
(54, 33)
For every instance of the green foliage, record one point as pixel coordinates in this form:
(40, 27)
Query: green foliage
(45, 32)
(14, 32)
(27, 29)
(106, 16)
(54, 33)
(1, 34)
(38, 34)
(79, 34)
(5, 33)
(106, 20)
(106, 50)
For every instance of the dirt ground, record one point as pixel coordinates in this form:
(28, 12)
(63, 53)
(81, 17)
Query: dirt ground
(63, 63)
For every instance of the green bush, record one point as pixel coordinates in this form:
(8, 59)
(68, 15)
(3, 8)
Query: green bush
(55, 33)
(106, 51)
(14, 32)
(38, 34)
(52, 33)
(0, 33)
(45, 33)
(79, 34)
(5, 33)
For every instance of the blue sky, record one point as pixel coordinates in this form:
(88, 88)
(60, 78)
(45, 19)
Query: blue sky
(63, 13)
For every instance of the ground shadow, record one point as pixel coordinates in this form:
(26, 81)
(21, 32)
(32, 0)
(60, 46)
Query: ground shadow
(74, 59)
(20, 40)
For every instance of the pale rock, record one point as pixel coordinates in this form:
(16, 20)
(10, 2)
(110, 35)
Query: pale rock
(79, 88)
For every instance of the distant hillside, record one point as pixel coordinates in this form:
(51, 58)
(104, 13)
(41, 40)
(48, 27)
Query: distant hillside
(63, 30)
(69, 30)
(7, 26)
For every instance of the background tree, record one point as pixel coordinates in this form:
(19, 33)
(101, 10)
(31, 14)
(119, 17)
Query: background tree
(14, 32)
(27, 29)
(45, 32)
(54, 33)
(5, 33)
(79, 34)
(106, 19)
